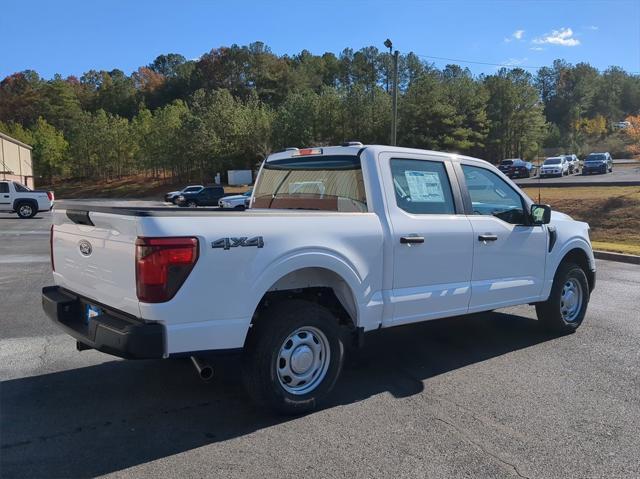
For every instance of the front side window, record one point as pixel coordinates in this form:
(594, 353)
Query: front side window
(422, 187)
(490, 195)
(328, 183)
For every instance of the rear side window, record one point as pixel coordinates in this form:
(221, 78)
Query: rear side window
(4, 187)
(422, 187)
(20, 188)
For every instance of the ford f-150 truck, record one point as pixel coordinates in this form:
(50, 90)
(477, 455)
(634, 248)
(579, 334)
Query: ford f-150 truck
(337, 241)
(26, 203)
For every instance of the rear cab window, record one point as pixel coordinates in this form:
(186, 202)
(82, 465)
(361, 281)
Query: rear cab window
(323, 182)
(4, 187)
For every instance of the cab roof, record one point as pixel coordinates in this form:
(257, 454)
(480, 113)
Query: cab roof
(354, 150)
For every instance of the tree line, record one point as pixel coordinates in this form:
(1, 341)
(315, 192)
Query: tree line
(234, 105)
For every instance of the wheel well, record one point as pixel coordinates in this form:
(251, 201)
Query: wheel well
(318, 285)
(20, 201)
(579, 257)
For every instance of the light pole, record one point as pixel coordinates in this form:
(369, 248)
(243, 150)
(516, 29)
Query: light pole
(394, 98)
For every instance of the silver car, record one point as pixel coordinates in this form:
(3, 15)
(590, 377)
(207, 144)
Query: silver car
(235, 201)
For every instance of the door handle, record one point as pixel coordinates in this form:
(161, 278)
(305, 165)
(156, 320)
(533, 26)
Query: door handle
(411, 239)
(487, 237)
(6, 196)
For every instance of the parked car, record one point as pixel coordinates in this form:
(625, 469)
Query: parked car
(173, 195)
(621, 125)
(207, 196)
(235, 201)
(574, 163)
(597, 163)
(554, 166)
(306, 274)
(517, 168)
(20, 199)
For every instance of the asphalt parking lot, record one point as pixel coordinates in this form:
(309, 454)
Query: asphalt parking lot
(481, 396)
(625, 174)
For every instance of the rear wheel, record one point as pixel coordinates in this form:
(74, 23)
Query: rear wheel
(566, 307)
(26, 210)
(293, 357)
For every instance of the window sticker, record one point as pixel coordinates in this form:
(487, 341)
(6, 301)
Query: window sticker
(424, 186)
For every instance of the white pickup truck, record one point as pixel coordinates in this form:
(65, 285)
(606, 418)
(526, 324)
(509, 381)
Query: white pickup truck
(17, 198)
(394, 236)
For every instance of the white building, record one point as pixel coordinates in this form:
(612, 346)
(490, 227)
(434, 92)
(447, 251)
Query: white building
(15, 161)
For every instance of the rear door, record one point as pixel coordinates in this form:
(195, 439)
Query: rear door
(508, 254)
(431, 238)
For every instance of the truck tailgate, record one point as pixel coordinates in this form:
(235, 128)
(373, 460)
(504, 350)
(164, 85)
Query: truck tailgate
(97, 261)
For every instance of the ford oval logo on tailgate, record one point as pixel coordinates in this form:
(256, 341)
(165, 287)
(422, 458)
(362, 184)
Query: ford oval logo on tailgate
(85, 248)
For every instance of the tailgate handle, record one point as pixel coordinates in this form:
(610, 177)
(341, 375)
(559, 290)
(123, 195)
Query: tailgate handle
(411, 239)
(487, 237)
(80, 217)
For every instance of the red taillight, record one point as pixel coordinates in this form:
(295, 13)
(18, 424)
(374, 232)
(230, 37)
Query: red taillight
(50, 195)
(53, 265)
(162, 265)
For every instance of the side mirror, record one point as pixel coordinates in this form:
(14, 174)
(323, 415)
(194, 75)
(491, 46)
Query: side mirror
(540, 214)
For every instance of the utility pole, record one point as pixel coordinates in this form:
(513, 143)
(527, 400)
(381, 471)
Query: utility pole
(394, 97)
(394, 119)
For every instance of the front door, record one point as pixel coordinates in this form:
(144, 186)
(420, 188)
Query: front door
(5, 196)
(432, 241)
(508, 254)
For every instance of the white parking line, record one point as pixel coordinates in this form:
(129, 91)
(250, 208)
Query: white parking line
(26, 232)
(24, 258)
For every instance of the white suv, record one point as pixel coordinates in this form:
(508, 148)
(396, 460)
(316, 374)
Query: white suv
(554, 166)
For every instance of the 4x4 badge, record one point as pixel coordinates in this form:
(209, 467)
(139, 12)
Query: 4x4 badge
(228, 243)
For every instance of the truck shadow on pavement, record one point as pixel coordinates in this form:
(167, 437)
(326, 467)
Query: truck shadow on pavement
(118, 414)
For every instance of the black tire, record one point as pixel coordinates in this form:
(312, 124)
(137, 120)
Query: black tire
(550, 312)
(26, 210)
(262, 356)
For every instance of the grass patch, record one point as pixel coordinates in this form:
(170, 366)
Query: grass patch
(613, 213)
(616, 247)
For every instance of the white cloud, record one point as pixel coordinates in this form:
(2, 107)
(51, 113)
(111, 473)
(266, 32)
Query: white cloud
(563, 37)
(536, 49)
(517, 35)
(593, 27)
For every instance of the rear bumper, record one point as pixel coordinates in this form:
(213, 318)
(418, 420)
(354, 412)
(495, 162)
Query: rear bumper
(113, 332)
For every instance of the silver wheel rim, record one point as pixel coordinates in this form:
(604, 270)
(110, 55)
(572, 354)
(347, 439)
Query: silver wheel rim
(571, 300)
(303, 360)
(25, 210)
(191, 204)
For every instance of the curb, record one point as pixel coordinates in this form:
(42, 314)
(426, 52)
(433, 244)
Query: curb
(619, 257)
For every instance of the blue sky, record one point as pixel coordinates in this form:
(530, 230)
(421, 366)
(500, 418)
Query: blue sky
(71, 37)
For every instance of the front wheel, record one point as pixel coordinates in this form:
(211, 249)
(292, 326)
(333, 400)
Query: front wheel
(566, 307)
(192, 204)
(293, 357)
